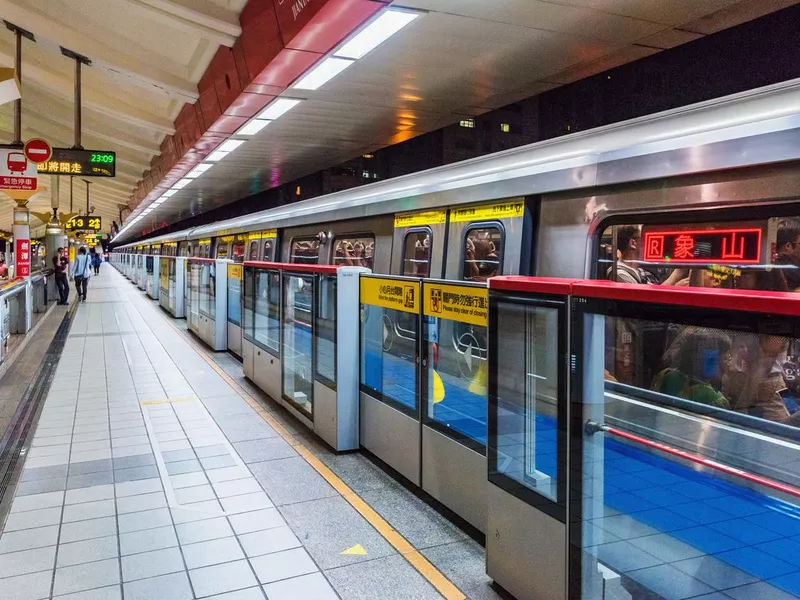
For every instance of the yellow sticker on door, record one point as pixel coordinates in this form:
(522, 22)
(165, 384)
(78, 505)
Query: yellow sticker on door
(502, 210)
(465, 304)
(395, 294)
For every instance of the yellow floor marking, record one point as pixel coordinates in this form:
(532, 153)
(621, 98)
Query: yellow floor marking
(425, 568)
(357, 550)
(169, 400)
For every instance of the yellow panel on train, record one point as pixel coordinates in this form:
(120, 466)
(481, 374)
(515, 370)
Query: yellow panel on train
(502, 210)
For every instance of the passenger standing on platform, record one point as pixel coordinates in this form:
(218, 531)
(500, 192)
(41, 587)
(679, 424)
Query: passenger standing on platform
(62, 283)
(82, 271)
(96, 260)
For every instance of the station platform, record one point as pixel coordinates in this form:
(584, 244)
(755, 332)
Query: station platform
(156, 472)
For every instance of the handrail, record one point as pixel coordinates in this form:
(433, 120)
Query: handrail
(593, 427)
(298, 267)
(13, 287)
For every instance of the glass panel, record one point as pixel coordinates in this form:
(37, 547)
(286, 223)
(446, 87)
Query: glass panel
(483, 253)
(249, 301)
(354, 251)
(164, 270)
(721, 391)
(737, 254)
(298, 342)
(193, 276)
(267, 317)
(234, 295)
(212, 290)
(305, 251)
(388, 361)
(326, 330)
(524, 447)
(417, 254)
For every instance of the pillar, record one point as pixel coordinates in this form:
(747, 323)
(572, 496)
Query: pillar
(22, 239)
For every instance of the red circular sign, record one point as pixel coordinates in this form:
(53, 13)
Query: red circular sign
(38, 151)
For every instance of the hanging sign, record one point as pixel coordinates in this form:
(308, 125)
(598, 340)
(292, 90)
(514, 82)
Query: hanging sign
(38, 151)
(83, 163)
(16, 171)
(85, 222)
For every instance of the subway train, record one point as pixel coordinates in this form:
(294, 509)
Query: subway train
(709, 191)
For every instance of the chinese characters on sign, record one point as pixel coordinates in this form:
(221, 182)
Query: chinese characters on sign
(22, 258)
(465, 304)
(721, 246)
(55, 166)
(390, 293)
(86, 163)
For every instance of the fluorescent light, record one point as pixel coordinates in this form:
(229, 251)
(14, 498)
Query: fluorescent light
(182, 183)
(198, 170)
(278, 108)
(217, 155)
(374, 34)
(322, 73)
(252, 127)
(230, 145)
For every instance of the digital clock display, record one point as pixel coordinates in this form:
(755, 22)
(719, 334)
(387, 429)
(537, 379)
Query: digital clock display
(82, 163)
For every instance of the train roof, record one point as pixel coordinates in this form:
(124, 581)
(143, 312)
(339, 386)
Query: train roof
(749, 128)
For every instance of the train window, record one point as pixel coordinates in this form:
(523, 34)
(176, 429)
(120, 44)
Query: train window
(305, 251)
(356, 251)
(725, 255)
(267, 309)
(417, 253)
(269, 249)
(238, 252)
(482, 252)
(252, 253)
(222, 250)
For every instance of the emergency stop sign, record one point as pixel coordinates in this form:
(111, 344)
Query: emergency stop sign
(38, 151)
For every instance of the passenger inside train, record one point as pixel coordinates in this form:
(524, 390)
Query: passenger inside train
(722, 367)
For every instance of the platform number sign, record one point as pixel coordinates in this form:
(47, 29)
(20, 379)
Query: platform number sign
(85, 223)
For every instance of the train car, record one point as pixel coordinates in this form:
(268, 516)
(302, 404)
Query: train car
(702, 195)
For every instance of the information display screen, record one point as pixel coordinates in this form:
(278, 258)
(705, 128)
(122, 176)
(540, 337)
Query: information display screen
(85, 223)
(83, 163)
(719, 246)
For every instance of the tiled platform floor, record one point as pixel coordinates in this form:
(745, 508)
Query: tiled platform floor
(150, 477)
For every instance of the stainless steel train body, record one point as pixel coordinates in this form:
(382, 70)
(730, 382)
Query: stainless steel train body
(728, 161)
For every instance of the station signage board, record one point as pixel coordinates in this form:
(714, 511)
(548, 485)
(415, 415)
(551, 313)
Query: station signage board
(85, 223)
(83, 163)
(16, 171)
(22, 257)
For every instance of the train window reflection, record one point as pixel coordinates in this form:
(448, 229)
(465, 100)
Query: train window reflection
(417, 253)
(305, 251)
(483, 253)
(267, 309)
(238, 252)
(762, 255)
(252, 253)
(356, 251)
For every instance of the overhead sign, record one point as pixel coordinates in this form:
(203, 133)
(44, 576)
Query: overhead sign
(37, 150)
(503, 210)
(720, 246)
(16, 171)
(432, 217)
(85, 223)
(395, 294)
(83, 163)
(465, 304)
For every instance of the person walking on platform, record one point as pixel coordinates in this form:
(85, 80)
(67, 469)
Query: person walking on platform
(60, 264)
(82, 271)
(96, 260)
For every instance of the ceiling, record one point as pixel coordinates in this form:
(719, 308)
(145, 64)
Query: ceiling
(145, 67)
(460, 57)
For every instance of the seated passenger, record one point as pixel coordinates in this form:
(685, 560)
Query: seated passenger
(628, 258)
(696, 363)
(787, 254)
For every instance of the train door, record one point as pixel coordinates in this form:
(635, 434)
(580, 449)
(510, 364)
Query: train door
(419, 244)
(269, 245)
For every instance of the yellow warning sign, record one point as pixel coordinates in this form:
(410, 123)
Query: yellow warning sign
(395, 294)
(256, 235)
(235, 272)
(460, 303)
(357, 550)
(431, 217)
(269, 233)
(503, 210)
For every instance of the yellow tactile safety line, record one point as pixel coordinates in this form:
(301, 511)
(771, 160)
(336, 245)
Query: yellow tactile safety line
(423, 566)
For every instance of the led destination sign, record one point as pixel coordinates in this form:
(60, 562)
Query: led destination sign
(720, 246)
(85, 223)
(84, 163)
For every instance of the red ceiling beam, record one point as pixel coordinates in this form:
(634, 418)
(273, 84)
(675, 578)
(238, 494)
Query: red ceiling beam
(280, 40)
